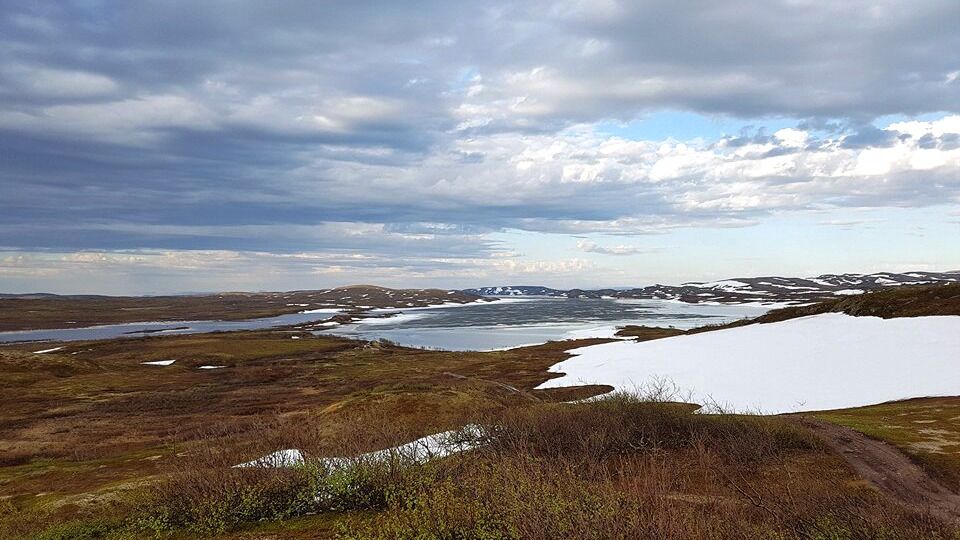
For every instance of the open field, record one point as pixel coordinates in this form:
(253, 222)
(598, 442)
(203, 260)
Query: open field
(91, 416)
(94, 443)
(615, 468)
(39, 312)
(85, 435)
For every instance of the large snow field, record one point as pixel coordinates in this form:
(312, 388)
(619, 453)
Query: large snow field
(820, 362)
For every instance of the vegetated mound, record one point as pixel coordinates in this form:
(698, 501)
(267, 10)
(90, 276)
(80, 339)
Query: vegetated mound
(919, 301)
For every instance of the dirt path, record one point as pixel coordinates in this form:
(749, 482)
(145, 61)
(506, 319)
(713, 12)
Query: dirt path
(890, 470)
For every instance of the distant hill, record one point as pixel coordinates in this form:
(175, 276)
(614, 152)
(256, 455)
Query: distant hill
(516, 290)
(765, 290)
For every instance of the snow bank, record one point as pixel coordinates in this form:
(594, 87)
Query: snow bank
(820, 362)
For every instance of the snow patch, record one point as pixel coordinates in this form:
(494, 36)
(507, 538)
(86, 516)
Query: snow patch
(421, 450)
(44, 351)
(848, 292)
(826, 361)
(159, 363)
(391, 319)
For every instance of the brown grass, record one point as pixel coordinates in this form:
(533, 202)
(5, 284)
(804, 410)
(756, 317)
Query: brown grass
(91, 420)
(617, 467)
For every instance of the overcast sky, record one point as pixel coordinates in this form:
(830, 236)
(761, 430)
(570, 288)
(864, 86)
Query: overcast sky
(171, 146)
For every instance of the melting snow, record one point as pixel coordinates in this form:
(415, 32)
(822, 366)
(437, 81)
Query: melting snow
(820, 362)
(848, 292)
(211, 367)
(158, 363)
(392, 319)
(44, 351)
(421, 450)
(322, 310)
(280, 458)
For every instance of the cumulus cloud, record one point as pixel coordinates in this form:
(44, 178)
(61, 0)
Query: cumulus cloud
(369, 129)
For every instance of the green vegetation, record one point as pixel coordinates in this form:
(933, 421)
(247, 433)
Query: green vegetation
(926, 429)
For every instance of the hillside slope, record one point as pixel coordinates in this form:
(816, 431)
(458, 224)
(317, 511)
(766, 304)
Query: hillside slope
(914, 301)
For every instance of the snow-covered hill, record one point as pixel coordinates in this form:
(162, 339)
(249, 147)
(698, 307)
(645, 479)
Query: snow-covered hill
(516, 290)
(766, 290)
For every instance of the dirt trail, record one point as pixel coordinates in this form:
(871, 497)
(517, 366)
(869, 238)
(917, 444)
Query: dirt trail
(890, 470)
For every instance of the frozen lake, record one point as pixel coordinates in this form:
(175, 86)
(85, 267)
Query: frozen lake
(514, 322)
(509, 322)
(140, 329)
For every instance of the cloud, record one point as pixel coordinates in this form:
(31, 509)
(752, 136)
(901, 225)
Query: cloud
(592, 247)
(577, 181)
(165, 271)
(850, 224)
(371, 129)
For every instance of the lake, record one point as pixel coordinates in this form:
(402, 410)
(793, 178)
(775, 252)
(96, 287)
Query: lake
(513, 322)
(509, 322)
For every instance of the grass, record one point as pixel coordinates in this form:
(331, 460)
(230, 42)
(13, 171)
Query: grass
(616, 467)
(926, 429)
(91, 422)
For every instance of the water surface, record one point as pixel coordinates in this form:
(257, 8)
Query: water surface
(110, 331)
(509, 322)
(513, 322)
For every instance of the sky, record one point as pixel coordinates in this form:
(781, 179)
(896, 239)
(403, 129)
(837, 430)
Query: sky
(175, 146)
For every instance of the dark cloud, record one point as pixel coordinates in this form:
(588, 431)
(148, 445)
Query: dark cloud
(244, 125)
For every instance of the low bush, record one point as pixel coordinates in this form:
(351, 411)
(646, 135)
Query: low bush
(616, 467)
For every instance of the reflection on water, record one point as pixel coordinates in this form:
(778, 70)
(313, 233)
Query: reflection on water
(527, 321)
